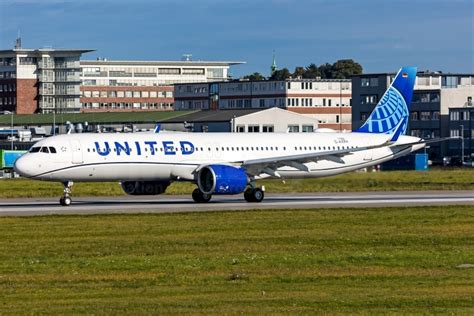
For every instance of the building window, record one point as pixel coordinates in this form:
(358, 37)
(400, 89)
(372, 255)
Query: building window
(262, 103)
(414, 116)
(434, 97)
(425, 115)
(215, 73)
(369, 99)
(449, 82)
(307, 128)
(454, 133)
(267, 128)
(254, 128)
(369, 82)
(435, 116)
(454, 116)
(193, 71)
(240, 129)
(168, 71)
(293, 128)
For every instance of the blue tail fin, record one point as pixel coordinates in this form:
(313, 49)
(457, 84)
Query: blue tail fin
(390, 116)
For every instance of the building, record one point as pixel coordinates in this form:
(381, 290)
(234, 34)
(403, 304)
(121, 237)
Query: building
(434, 94)
(461, 129)
(56, 80)
(40, 80)
(269, 120)
(328, 101)
(142, 85)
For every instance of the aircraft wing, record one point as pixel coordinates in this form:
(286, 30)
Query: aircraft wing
(423, 141)
(270, 165)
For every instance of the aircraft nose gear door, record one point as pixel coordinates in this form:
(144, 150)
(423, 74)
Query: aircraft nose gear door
(76, 152)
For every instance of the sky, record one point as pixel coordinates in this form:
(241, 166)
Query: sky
(381, 35)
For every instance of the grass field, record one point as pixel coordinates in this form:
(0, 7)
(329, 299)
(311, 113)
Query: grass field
(438, 179)
(359, 261)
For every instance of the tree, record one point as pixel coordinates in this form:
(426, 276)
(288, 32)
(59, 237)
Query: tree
(281, 74)
(255, 76)
(311, 72)
(299, 72)
(326, 71)
(345, 68)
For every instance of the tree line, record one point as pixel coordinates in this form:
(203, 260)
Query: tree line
(341, 69)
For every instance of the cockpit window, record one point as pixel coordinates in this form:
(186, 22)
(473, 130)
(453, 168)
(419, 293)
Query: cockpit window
(52, 150)
(35, 149)
(44, 150)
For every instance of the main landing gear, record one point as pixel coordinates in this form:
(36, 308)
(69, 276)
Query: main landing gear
(201, 197)
(66, 200)
(251, 195)
(254, 195)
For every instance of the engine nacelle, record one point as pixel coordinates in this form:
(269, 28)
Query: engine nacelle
(144, 187)
(222, 179)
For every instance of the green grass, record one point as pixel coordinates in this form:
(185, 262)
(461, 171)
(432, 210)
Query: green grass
(438, 179)
(103, 117)
(358, 261)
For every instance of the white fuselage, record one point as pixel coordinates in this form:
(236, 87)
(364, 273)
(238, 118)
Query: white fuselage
(176, 156)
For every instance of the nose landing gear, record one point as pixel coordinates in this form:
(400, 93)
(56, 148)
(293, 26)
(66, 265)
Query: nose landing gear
(66, 200)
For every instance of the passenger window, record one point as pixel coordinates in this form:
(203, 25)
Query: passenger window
(52, 150)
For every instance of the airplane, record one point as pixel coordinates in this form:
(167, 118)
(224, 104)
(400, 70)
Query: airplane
(224, 163)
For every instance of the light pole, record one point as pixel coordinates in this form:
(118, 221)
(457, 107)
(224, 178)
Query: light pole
(11, 132)
(340, 106)
(462, 144)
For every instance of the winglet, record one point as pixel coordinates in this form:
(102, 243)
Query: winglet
(157, 128)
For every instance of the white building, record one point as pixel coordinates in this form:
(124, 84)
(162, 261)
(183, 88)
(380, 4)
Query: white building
(269, 120)
(328, 101)
(112, 85)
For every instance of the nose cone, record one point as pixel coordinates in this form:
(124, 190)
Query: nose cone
(24, 166)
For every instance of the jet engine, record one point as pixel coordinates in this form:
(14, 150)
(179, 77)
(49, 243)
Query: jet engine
(144, 187)
(222, 179)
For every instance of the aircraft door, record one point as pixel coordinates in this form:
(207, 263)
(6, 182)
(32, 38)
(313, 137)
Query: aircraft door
(76, 149)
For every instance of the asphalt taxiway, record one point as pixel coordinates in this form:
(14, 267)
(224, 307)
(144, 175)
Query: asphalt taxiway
(182, 203)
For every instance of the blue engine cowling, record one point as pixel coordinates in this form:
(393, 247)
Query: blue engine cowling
(222, 179)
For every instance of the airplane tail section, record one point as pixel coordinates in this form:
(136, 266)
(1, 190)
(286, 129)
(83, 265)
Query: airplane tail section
(390, 116)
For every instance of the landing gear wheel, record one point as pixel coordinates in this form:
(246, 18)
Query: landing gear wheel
(254, 195)
(200, 197)
(66, 198)
(65, 201)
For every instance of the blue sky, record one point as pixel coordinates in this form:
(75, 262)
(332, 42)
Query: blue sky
(381, 35)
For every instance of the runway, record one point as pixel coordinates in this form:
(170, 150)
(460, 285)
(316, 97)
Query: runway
(182, 203)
